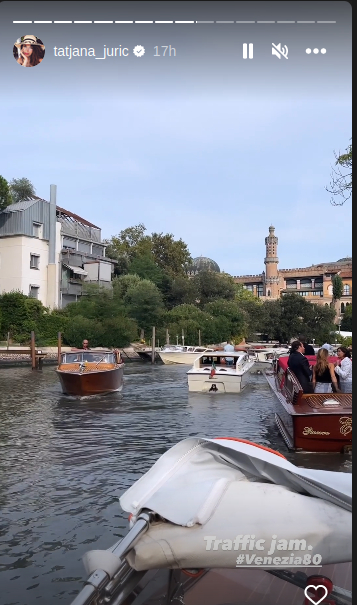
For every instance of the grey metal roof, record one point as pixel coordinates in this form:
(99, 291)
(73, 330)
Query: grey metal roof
(19, 206)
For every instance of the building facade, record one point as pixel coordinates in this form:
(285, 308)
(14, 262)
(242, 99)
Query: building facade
(314, 282)
(48, 253)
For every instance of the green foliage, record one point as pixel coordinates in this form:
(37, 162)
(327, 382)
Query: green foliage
(231, 312)
(346, 324)
(21, 315)
(168, 254)
(293, 315)
(337, 287)
(182, 291)
(212, 286)
(145, 267)
(144, 304)
(5, 194)
(345, 341)
(123, 283)
(78, 328)
(21, 189)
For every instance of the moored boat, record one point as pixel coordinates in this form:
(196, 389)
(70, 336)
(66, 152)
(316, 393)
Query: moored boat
(186, 355)
(211, 523)
(86, 372)
(212, 373)
(318, 422)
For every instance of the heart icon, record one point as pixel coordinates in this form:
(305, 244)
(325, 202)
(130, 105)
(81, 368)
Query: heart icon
(312, 587)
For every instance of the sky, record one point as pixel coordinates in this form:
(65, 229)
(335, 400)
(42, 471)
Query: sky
(204, 145)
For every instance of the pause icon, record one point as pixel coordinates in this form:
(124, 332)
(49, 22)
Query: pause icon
(247, 51)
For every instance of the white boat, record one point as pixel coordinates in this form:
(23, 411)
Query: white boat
(170, 354)
(205, 508)
(264, 357)
(211, 373)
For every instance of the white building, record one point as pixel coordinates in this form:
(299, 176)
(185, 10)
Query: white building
(47, 252)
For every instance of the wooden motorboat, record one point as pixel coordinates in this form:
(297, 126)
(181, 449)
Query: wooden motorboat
(211, 372)
(86, 372)
(319, 422)
(208, 506)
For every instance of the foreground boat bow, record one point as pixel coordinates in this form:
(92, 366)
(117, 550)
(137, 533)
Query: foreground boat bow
(204, 493)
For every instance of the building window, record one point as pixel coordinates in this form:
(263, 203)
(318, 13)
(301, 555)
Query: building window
(34, 290)
(330, 290)
(318, 284)
(34, 261)
(260, 290)
(269, 293)
(342, 307)
(37, 229)
(291, 284)
(306, 283)
(346, 290)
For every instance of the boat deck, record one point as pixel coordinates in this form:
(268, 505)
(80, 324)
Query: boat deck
(314, 404)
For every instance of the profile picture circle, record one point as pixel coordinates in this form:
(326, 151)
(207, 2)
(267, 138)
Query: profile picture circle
(29, 50)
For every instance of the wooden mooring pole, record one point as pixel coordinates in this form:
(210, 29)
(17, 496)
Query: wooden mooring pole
(33, 351)
(59, 345)
(199, 338)
(153, 352)
(167, 337)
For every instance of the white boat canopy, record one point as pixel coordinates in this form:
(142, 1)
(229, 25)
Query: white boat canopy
(214, 495)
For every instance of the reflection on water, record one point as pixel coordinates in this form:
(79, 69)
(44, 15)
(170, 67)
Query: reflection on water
(64, 462)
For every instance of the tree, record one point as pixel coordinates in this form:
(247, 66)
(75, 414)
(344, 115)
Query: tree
(189, 320)
(293, 315)
(182, 291)
(5, 194)
(21, 189)
(341, 178)
(145, 267)
(230, 310)
(170, 254)
(346, 324)
(123, 283)
(144, 304)
(337, 288)
(212, 286)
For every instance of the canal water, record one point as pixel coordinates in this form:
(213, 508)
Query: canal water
(64, 463)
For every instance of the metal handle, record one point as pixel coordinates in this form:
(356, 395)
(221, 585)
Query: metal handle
(99, 579)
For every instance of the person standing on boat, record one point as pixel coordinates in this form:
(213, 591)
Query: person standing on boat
(229, 347)
(309, 349)
(343, 368)
(323, 374)
(300, 366)
(85, 345)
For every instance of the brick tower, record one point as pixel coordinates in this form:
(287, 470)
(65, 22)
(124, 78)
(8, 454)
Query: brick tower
(271, 281)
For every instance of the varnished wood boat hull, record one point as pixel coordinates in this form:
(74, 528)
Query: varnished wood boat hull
(316, 430)
(91, 383)
(328, 433)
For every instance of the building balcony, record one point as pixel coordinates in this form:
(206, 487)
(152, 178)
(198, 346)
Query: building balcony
(72, 287)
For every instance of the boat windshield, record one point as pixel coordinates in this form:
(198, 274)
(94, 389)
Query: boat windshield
(89, 356)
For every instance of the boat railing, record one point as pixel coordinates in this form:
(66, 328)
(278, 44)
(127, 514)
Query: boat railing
(292, 387)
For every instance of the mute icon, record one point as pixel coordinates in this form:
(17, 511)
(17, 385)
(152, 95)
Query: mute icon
(247, 51)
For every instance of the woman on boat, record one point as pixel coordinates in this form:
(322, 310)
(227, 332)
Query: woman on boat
(30, 51)
(323, 373)
(343, 369)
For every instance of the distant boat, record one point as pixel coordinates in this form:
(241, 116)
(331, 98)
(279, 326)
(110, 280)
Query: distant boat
(171, 354)
(264, 357)
(317, 422)
(211, 373)
(86, 372)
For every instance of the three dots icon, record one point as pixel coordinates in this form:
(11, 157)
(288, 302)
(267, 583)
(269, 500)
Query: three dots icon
(316, 51)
